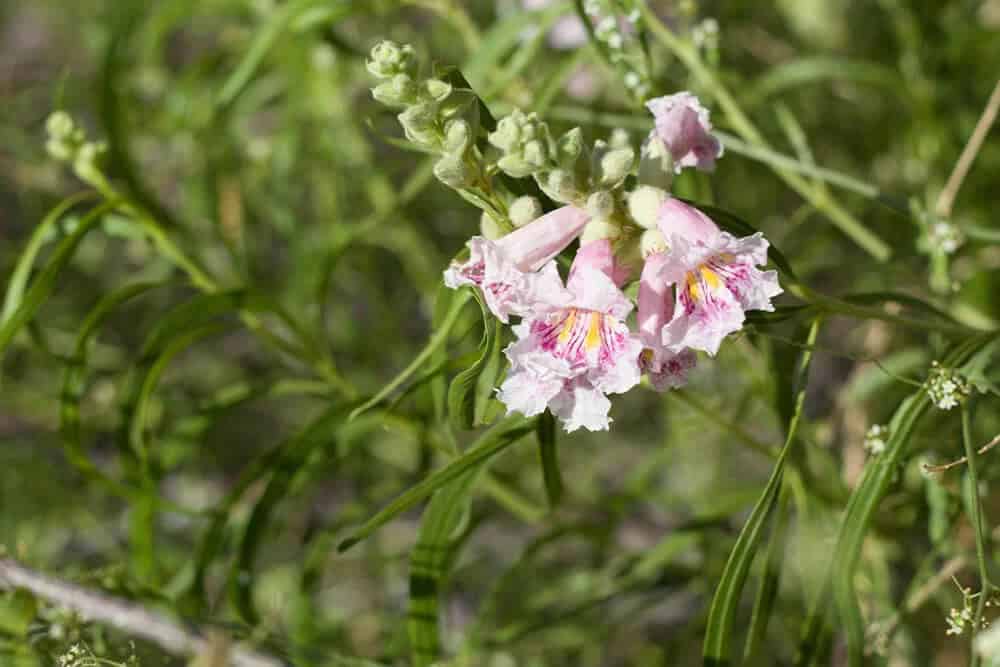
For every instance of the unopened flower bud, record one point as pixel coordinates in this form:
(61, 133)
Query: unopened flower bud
(456, 136)
(644, 205)
(616, 165)
(389, 59)
(437, 89)
(59, 125)
(419, 123)
(620, 138)
(400, 90)
(507, 136)
(524, 210)
(598, 230)
(601, 204)
(560, 185)
(454, 171)
(652, 242)
(86, 163)
(570, 147)
(489, 227)
(535, 153)
(514, 165)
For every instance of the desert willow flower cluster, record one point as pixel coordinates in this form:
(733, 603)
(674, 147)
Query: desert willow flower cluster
(575, 341)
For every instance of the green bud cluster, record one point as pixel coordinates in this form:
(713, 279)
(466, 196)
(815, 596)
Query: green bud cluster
(67, 142)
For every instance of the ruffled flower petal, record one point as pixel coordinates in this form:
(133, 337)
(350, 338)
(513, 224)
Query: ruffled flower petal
(717, 280)
(569, 355)
(665, 369)
(683, 127)
(515, 273)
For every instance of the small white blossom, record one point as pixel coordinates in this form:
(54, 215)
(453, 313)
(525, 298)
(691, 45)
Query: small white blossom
(875, 439)
(946, 237)
(946, 388)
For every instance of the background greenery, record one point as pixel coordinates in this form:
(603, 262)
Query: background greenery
(198, 479)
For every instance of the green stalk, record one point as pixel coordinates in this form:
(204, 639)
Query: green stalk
(975, 516)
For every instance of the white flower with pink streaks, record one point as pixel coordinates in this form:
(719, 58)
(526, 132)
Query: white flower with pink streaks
(515, 273)
(573, 351)
(683, 127)
(665, 369)
(716, 278)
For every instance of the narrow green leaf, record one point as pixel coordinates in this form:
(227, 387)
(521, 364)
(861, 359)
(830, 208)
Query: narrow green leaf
(802, 71)
(277, 23)
(767, 594)
(44, 232)
(461, 392)
(548, 454)
(430, 561)
(294, 455)
(438, 339)
(491, 443)
(43, 285)
(75, 374)
(861, 506)
(721, 615)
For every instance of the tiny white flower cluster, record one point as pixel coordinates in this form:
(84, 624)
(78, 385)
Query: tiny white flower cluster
(946, 237)
(957, 619)
(67, 142)
(612, 32)
(946, 388)
(77, 656)
(705, 35)
(876, 439)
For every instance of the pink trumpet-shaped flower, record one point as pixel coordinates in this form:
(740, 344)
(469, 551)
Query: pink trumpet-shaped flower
(682, 125)
(716, 276)
(570, 354)
(665, 369)
(515, 272)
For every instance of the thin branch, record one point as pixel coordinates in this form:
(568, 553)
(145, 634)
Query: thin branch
(948, 466)
(128, 617)
(946, 199)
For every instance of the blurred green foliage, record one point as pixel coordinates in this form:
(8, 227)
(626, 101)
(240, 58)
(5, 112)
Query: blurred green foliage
(196, 454)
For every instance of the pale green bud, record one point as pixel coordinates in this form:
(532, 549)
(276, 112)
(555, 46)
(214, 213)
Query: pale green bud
(644, 205)
(616, 165)
(620, 138)
(535, 153)
(437, 89)
(560, 185)
(389, 59)
(454, 171)
(515, 165)
(570, 147)
(652, 242)
(507, 136)
(456, 136)
(489, 227)
(398, 91)
(598, 230)
(59, 125)
(60, 150)
(86, 163)
(524, 210)
(420, 124)
(601, 204)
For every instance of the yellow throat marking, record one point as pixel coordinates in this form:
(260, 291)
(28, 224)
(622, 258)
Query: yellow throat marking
(593, 331)
(567, 329)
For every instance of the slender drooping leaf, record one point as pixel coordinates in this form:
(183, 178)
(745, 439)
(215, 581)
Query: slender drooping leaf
(43, 285)
(719, 631)
(548, 454)
(491, 443)
(462, 391)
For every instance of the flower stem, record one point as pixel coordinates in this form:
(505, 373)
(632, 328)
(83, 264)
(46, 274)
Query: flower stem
(975, 512)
